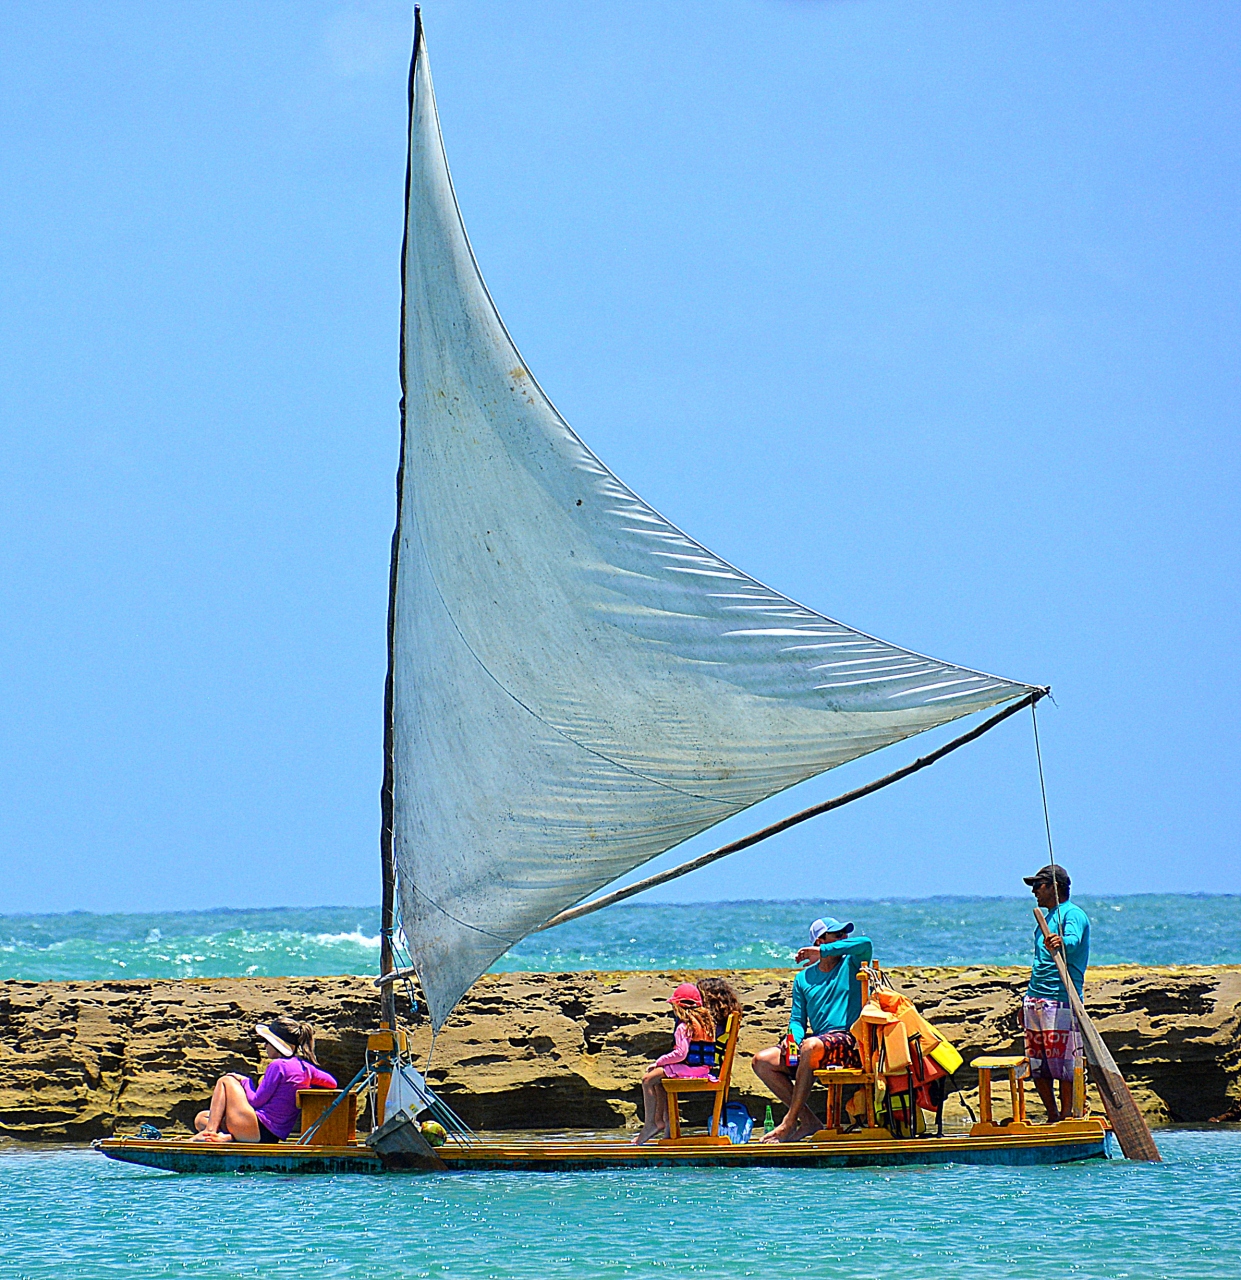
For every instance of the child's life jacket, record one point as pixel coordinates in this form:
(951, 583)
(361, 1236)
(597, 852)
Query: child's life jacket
(690, 1052)
(701, 1053)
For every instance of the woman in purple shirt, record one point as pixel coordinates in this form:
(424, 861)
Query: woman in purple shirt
(240, 1112)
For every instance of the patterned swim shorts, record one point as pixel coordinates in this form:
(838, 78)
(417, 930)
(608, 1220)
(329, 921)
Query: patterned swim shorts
(839, 1049)
(1053, 1043)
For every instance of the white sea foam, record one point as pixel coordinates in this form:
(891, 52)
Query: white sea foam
(1150, 929)
(357, 937)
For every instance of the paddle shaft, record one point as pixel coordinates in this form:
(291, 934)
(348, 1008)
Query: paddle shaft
(1122, 1112)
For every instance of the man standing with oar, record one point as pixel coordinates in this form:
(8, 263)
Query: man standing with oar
(1053, 1040)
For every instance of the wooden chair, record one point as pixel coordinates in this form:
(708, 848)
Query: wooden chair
(835, 1079)
(675, 1088)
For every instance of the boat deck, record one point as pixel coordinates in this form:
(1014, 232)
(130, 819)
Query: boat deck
(1070, 1140)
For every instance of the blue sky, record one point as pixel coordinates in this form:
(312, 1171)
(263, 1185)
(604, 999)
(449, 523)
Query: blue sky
(926, 315)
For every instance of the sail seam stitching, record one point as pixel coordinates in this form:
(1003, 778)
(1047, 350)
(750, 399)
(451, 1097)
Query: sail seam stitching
(508, 942)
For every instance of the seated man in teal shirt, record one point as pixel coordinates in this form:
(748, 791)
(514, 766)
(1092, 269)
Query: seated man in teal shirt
(827, 999)
(1053, 1040)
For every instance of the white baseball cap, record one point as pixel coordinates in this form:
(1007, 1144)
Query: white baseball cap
(830, 925)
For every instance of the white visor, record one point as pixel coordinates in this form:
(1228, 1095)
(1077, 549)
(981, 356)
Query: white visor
(263, 1031)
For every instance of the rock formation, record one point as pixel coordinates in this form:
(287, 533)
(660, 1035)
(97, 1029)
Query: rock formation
(80, 1060)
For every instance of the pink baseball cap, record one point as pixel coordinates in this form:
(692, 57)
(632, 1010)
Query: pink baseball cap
(686, 993)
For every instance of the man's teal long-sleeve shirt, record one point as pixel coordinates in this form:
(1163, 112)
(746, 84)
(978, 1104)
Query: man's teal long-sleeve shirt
(1073, 925)
(830, 1001)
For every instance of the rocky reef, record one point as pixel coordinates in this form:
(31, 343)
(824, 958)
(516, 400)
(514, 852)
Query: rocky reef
(80, 1060)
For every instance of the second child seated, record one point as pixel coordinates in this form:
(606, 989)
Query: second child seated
(827, 999)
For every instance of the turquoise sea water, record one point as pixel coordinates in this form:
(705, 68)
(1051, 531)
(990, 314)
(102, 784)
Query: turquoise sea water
(1144, 929)
(70, 1212)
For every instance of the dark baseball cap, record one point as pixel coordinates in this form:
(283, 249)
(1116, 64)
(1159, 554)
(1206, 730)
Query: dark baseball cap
(1045, 875)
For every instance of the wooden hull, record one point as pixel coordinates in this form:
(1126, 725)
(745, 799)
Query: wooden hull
(1049, 1144)
(179, 1156)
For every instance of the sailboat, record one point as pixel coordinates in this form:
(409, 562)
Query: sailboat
(575, 686)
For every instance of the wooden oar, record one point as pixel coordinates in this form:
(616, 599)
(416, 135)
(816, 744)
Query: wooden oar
(1122, 1112)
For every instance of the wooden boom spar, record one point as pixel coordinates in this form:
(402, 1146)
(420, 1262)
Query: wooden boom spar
(1122, 1112)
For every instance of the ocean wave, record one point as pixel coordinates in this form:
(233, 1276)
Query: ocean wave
(288, 942)
(357, 937)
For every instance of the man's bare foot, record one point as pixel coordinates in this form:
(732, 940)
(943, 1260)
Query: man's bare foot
(805, 1129)
(645, 1134)
(783, 1132)
(786, 1131)
(207, 1136)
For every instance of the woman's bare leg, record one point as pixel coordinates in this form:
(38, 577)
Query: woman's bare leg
(239, 1117)
(215, 1112)
(231, 1116)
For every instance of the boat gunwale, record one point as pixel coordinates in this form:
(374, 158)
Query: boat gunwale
(1088, 1138)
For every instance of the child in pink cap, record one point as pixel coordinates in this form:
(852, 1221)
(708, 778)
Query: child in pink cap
(692, 1056)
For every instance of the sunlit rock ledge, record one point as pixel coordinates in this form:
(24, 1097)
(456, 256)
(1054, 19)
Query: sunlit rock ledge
(80, 1060)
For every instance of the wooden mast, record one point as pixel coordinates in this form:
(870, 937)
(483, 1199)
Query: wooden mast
(387, 917)
(1122, 1112)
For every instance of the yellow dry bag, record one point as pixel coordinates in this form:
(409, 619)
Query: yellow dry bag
(946, 1056)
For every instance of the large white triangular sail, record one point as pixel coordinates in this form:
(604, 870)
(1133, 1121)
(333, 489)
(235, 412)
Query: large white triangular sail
(577, 685)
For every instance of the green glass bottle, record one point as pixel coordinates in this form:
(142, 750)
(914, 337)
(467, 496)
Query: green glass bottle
(768, 1123)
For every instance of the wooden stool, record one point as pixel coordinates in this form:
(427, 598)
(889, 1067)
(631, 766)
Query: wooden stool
(1017, 1069)
(835, 1079)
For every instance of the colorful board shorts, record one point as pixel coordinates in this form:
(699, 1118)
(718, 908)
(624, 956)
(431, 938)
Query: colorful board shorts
(1053, 1043)
(840, 1048)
